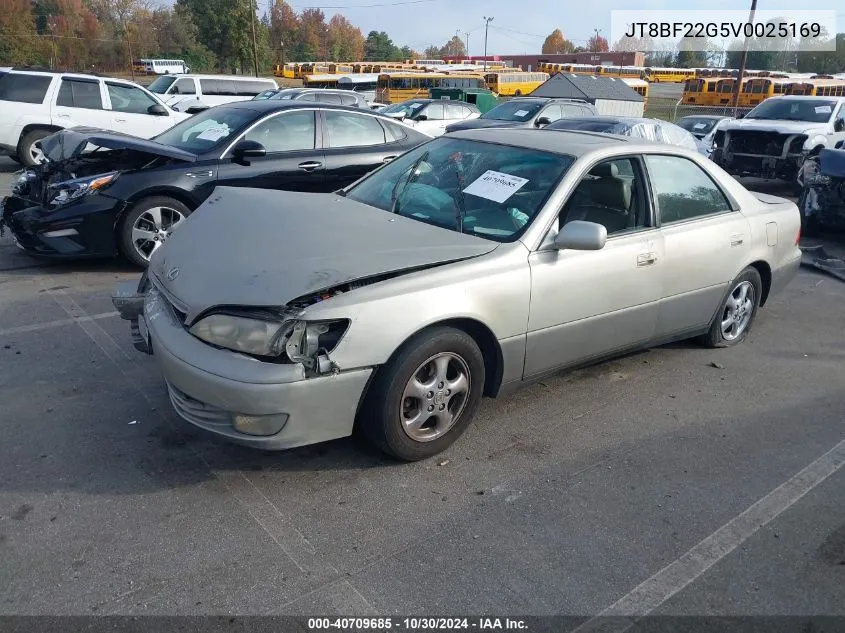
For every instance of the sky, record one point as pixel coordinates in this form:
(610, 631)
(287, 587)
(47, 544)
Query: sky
(518, 26)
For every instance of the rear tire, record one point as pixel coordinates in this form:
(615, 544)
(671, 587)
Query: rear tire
(425, 397)
(28, 154)
(146, 225)
(737, 311)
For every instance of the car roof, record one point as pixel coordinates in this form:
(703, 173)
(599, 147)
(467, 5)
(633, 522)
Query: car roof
(226, 77)
(560, 142)
(703, 116)
(276, 105)
(805, 98)
(58, 73)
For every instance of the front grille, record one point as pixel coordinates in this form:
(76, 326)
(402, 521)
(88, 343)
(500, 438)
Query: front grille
(197, 412)
(761, 143)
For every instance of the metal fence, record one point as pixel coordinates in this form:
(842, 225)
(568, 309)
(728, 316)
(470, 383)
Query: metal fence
(670, 109)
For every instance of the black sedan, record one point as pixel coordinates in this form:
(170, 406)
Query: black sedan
(103, 193)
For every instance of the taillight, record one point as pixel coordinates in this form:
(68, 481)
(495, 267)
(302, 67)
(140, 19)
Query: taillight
(798, 236)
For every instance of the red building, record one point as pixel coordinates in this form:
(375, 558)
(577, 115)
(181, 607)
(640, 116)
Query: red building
(529, 62)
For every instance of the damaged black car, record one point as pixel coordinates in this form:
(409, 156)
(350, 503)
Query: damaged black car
(822, 202)
(101, 193)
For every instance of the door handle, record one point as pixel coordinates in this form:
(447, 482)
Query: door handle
(310, 165)
(62, 116)
(387, 159)
(200, 174)
(737, 240)
(646, 259)
(120, 120)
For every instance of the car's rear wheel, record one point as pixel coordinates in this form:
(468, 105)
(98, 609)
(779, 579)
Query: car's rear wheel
(425, 397)
(734, 319)
(28, 151)
(147, 225)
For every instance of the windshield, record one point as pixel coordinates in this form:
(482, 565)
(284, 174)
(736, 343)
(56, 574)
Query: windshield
(484, 189)
(697, 125)
(284, 94)
(513, 111)
(203, 131)
(407, 108)
(261, 96)
(810, 110)
(161, 84)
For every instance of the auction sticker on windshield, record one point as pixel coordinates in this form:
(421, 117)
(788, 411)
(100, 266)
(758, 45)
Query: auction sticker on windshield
(495, 186)
(520, 113)
(825, 109)
(213, 133)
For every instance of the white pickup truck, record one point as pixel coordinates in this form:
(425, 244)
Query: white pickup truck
(35, 104)
(774, 139)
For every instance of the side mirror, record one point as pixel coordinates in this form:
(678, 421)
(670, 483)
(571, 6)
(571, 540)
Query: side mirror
(245, 150)
(543, 120)
(839, 125)
(157, 110)
(579, 235)
(421, 117)
(396, 115)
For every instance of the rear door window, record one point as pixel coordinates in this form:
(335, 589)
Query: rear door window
(348, 129)
(184, 87)
(434, 112)
(129, 99)
(80, 93)
(552, 113)
(24, 88)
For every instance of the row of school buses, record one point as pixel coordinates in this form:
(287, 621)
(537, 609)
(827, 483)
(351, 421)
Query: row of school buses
(718, 91)
(396, 81)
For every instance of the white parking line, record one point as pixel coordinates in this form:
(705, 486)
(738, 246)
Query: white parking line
(655, 591)
(36, 327)
(254, 502)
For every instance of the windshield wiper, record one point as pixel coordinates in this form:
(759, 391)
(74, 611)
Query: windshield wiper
(412, 176)
(460, 201)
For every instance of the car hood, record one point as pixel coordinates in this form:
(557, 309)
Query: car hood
(254, 247)
(783, 127)
(474, 124)
(70, 143)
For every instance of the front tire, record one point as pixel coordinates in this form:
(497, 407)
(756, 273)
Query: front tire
(147, 225)
(736, 315)
(28, 153)
(425, 397)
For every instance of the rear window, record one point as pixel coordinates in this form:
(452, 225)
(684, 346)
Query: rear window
(24, 88)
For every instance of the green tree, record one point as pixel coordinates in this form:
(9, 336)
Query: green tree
(224, 27)
(379, 47)
(284, 31)
(431, 52)
(687, 57)
(19, 43)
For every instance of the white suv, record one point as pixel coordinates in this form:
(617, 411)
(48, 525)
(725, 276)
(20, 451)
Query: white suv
(35, 104)
(194, 93)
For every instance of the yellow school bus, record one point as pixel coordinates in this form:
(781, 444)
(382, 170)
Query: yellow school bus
(514, 83)
(699, 91)
(288, 71)
(668, 75)
(623, 72)
(320, 80)
(817, 88)
(340, 69)
(401, 86)
(640, 85)
(724, 90)
(757, 89)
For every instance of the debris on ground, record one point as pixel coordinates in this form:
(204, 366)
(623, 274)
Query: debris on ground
(444, 462)
(717, 365)
(818, 258)
(134, 422)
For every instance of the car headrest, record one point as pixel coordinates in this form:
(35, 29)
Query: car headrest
(605, 170)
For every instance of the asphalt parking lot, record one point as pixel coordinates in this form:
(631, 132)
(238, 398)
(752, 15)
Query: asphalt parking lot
(678, 481)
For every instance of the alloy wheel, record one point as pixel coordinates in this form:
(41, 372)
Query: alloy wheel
(435, 396)
(151, 229)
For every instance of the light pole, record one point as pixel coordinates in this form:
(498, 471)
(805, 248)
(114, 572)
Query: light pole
(487, 22)
(742, 62)
(466, 45)
(252, 10)
(596, 41)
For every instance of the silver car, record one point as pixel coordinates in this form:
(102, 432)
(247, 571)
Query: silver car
(471, 265)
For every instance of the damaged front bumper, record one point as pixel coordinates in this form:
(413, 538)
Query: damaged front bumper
(270, 406)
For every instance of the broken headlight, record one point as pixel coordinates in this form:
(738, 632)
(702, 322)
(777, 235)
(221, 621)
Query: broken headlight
(63, 192)
(301, 341)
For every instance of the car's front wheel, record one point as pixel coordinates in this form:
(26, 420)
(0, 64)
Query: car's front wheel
(425, 397)
(29, 153)
(736, 315)
(147, 225)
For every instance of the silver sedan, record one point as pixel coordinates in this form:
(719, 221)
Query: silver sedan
(471, 265)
